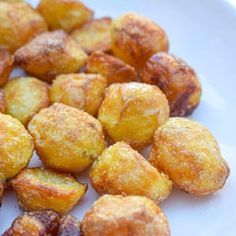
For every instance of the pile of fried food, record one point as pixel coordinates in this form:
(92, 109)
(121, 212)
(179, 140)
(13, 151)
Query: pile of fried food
(93, 83)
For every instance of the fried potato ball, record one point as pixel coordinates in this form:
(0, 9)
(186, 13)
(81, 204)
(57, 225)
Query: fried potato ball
(115, 70)
(25, 96)
(189, 154)
(6, 65)
(2, 102)
(122, 170)
(51, 54)
(16, 147)
(64, 14)
(39, 189)
(176, 79)
(131, 112)
(69, 226)
(94, 35)
(66, 139)
(124, 216)
(83, 91)
(19, 23)
(135, 39)
(36, 223)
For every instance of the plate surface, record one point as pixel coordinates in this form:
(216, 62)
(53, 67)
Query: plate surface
(203, 33)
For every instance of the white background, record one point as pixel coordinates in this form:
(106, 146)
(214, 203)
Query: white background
(202, 32)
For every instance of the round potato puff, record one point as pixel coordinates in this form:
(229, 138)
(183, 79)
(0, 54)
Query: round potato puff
(6, 66)
(94, 35)
(131, 112)
(122, 170)
(176, 79)
(124, 216)
(115, 70)
(40, 189)
(51, 54)
(24, 97)
(83, 91)
(64, 14)
(69, 226)
(35, 223)
(135, 39)
(66, 139)
(16, 147)
(189, 154)
(19, 24)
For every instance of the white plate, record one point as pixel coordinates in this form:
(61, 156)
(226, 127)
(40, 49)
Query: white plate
(203, 33)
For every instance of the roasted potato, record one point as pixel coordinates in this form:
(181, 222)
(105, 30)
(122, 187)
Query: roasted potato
(39, 189)
(122, 170)
(69, 226)
(135, 39)
(189, 154)
(36, 223)
(115, 70)
(51, 54)
(24, 97)
(176, 79)
(19, 23)
(131, 112)
(2, 102)
(83, 91)
(94, 35)
(64, 14)
(16, 147)
(6, 65)
(66, 139)
(125, 216)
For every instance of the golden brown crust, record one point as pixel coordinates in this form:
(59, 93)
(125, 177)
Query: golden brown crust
(122, 170)
(6, 65)
(66, 139)
(16, 146)
(131, 112)
(36, 223)
(83, 91)
(135, 39)
(69, 226)
(21, 24)
(51, 54)
(94, 35)
(124, 216)
(189, 154)
(24, 97)
(64, 14)
(176, 79)
(39, 189)
(115, 70)
(2, 102)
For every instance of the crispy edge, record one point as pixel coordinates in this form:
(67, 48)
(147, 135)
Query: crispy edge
(6, 66)
(160, 70)
(24, 185)
(115, 70)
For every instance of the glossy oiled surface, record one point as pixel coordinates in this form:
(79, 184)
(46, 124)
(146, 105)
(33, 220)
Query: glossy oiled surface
(203, 34)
